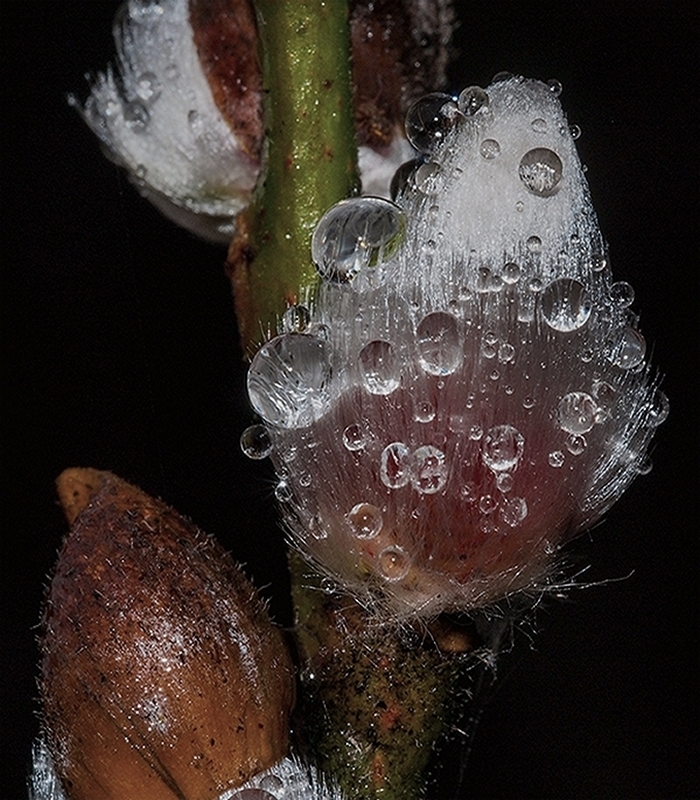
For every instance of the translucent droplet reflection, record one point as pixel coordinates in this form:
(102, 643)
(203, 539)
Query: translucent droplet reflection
(565, 305)
(380, 367)
(502, 448)
(429, 473)
(256, 442)
(429, 120)
(540, 171)
(438, 342)
(576, 412)
(365, 520)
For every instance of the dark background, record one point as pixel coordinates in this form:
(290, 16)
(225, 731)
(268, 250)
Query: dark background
(120, 352)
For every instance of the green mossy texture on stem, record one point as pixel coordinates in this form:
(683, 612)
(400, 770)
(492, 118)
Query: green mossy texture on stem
(375, 701)
(312, 154)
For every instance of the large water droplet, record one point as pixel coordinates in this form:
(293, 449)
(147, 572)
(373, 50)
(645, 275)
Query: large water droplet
(565, 305)
(381, 372)
(622, 294)
(365, 520)
(288, 380)
(429, 120)
(354, 237)
(429, 469)
(471, 100)
(576, 412)
(540, 171)
(503, 446)
(395, 466)
(256, 442)
(136, 117)
(630, 349)
(438, 343)
(394, 563)
(428, 178)
(513, 511)
(355, 437)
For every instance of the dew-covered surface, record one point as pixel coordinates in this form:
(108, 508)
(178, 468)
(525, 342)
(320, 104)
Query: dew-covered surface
(479, 383)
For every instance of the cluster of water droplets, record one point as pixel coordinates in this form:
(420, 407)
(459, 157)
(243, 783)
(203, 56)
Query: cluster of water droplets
(469, 386)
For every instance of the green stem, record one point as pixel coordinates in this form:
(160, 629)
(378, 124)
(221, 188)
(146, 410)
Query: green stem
(311, 159)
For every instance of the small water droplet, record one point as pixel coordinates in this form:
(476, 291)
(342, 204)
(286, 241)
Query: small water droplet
(630, 349)
(511, 273)
(503, 446)
(576, 444)
(622, 294)
(251, 794)
(659, 409)
(305, 480)
(471, 100)
(394, 563)
(556, 458)
(429, 120)
(354, 437)
(540, 171)
(554, 86)
(644, 466)
(539, 125)
(468, 493)
(438, 343)
(487, 505)
(489, 149)
(513, 511)
(381, 372)
(534, 285)
(148, 87)
(136, 117)
(576, 412)
(501, 77)
(395, 465)
(519, 206)
(283, 493)
(476, 432)
(565, 305)
(355, 236)
(528, 402)
(256, 442)
(429, 470)
(365, 520)
(504, 482)
(272, 783)
(534, 244)
(598, 262)
(575, 131)
(288, 380)
(424, 411)
(296, 319)
(494, 375)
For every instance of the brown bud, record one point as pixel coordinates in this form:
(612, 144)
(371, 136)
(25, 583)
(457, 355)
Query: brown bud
(162, 676)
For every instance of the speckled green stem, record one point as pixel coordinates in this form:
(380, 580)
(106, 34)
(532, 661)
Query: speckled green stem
(374, 702)
(311, 159)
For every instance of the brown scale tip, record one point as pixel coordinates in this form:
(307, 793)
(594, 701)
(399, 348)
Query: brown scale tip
(162, 675)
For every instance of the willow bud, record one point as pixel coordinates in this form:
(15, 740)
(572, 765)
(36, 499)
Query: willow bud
(162, 675)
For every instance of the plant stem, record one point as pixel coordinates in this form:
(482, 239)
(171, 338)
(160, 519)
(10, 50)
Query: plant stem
(311, 158)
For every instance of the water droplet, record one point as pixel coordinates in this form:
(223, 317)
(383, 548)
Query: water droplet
(604, 393)
(658, 411)
(630, 349)
(511, 273)
(539, 125)
(503, 446)
(424, 411)
(495, 375)
(529, 402)
(288, 380)
(555, 86)
(381, 372)
(489, 149)
(534, 244)
(354, 437)
(395, 465)
(506, 353)
(148, 87)
(394, 563)
(540, 171)
(644, 466)
(256, 442)
(438, 343)
(428, 178)
(141, 171)
(429, 472)
(283, 493)
(296, 319)
(576, 412)
(622, 294)
(504, 482)
(534, 285)
(565, 305)
(305, 480)
(472, 100)
(475, 433)
(575, 131)
(576, 444)
(273, 783)
(403, 177)
(598, 262)
(468, 493)
(429, 120)
(353, 237)
(487, 505)
(251, 794)
(501, 77)
(556, 458)
(136, 117)
(513, 511)
(365, 520)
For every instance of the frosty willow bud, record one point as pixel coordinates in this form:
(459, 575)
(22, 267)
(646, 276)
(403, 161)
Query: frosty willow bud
(469, 389)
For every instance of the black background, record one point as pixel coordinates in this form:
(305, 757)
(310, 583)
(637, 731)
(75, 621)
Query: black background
(120, 352)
